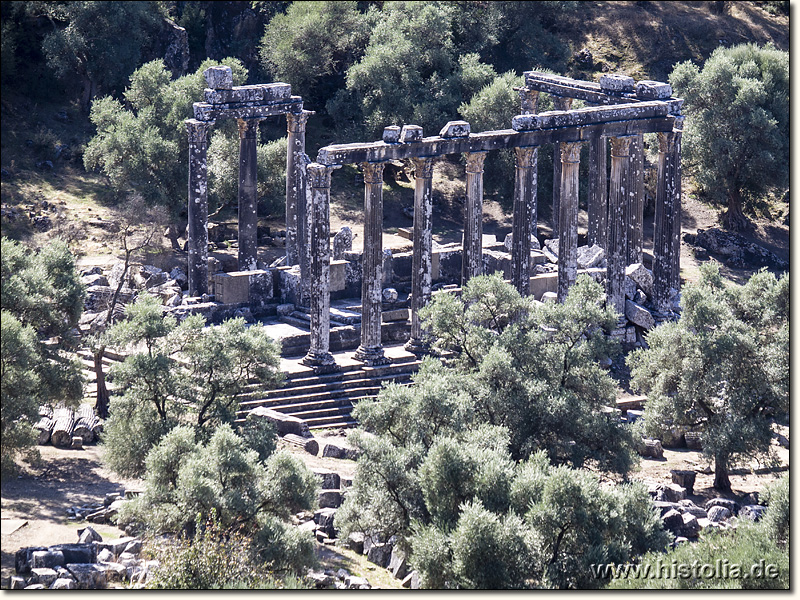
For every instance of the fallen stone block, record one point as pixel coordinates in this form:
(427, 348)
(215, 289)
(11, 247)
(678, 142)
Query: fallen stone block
(330, 499)
(283, 423)
(64, 584)
(694, 440)
(23, 559)
(380, 554)
(690, 527)
(718, 513)
(731, 505)
(672, 520)
(48, 559)
(77, 553)
(398, 565)
(641, 276)
(44, 576)
(674, 492)
(87, 535)
(685, 479)
(116, 547)
(88, 576)
(639, 315)
(754, 512)
(17, 583)
(329, 480)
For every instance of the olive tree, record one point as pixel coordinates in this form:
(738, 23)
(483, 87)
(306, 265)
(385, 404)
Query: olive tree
(736, 138)
(722, 368)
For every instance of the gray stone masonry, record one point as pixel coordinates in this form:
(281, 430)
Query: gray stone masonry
(568, 219)
(598, 192)
(198, 207)
(473, 218)
(521, 122)
(248, 194)
(636, 201)
(296, 209)
(421, 260)
(525, 217)
(617, 227)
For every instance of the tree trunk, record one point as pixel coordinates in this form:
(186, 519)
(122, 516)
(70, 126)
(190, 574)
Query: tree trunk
(733, 219)
(721, 480)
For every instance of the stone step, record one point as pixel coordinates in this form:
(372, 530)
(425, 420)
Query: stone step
(269, 403)
(299, 390)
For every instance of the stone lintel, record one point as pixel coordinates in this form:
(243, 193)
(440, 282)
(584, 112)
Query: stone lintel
(345, 154)
(261, 93)
(204, 111)
(589, 116)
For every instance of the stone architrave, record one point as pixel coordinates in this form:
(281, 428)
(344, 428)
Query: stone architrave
(319, 182)
(248, 195)
(667, 219)
(524, 223)
(297, 248)
(421, 259)
(371, 350)
(559, 103)
(198, 206)
(636, 201)
(598, 192)
(472, 254)
(568, 219)
(617, 225)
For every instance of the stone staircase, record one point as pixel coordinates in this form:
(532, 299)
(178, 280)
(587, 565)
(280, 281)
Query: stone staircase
(326, 401)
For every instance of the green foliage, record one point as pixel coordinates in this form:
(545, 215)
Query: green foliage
(721, 368)
(750, 554)
(292, 50)
(776, 520)
(562, 520)
(214, 559)
(736, 136)
(41, 301)
(100, 42)
(179, 373)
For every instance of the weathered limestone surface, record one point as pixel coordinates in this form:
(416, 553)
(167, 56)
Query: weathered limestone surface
(421, 261)
(617, 226)
(248, 196)
(371, 351)
(636, 201)
(198, 207)
(525, 217)
(296, 230)
(598, 192)
(534, 122)
(473, 218)
(568, 220)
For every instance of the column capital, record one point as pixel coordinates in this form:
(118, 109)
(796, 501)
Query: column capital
(198, 130)
(319, 176)
(562, 103)
(248, 128)
(423, 168)
(571, 152)
(373, 172)
(475, 161)
(666, 142)
(296, 122)
(525, 157)
(621, 146)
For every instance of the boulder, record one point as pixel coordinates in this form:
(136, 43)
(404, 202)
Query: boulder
(639, 315)
(718, 513)
(664, 507)
(324, 519)
(332, 451)
(105, 555)
(550, 250)
(754, 512)
(357, 583)
(116, 547)
(629, 285)
(591, 256)
(684, 479)
(134, 547)
(642, 277)
(687, 506)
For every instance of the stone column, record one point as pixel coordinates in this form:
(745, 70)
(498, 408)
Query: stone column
(568, 218)
(319, 356)
(524, 217)
(667, 220)
(371, 350)
(676, 235)
(529, 100)
(617, 228)
(636, 203)
(529, 105)
(472, 245)
(598, 192)
(198, 206)
(297, 249)
(248, 194)
(559, 103)
(421, 271)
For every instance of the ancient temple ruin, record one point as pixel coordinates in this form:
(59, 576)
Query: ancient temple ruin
(619, 112)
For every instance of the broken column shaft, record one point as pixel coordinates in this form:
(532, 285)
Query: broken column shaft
(319, 356)
(248, 195)
(371, 351)
(472, 254)
(524, 223)
(568, 218)
(617, 225)
(198, 206)
(421, 270)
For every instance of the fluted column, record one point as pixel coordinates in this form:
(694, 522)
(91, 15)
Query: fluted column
(636, 201)
(667, 219)
(568, 218)
(524, 217)
(248, 195)
(617, 226)
(559, 103)
(198, 206)
(297, 249)
(678, 206)
(598, 192)
(371, 350)
(319, 356)
(421, 258)
(472, 253)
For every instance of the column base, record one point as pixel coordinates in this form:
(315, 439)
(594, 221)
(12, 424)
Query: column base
(372, 356)
(418, 347)
(321, 362)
